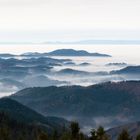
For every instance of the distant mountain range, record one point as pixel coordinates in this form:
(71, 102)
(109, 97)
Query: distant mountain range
(66, 52)
(115, 42)
(128, 70)
(31, 63)
(59, 52)
(99, 41)
(120, 102)
(7, 55)
(117, 64)
(69, 71)
(16, 74)
(71, 52)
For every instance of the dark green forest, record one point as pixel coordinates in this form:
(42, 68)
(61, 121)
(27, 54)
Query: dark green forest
(14, 130)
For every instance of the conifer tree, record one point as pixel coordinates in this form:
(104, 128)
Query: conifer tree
(124, 135)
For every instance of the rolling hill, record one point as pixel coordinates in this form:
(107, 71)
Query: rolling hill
(113, 102)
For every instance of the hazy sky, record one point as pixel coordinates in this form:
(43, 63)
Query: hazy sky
(40, 20)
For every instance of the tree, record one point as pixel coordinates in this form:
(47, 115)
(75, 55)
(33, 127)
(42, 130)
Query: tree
(124, 135)
(98, 134)
(81, 136)
(55, 135)
(100, 131)
(4, 133)
(43, 136)
(65, 136)
(138, 137)
(101, 134)
(74, 130)
(93, 134)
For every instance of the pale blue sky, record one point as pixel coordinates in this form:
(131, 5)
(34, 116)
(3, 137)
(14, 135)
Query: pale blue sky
(43, 20)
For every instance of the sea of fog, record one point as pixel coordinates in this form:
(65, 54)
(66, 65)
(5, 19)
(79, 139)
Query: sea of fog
(97, 64)
(129, 54)
(115, 50)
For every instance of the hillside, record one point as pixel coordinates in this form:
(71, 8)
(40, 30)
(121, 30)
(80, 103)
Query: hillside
(23, 114)
(11, 129)
(132, 128)
(116, 102)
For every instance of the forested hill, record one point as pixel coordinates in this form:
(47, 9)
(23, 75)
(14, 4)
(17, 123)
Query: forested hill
(23, 114)
(115, 100)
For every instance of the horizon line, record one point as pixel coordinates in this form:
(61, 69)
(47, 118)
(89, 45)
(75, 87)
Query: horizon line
(79, 42)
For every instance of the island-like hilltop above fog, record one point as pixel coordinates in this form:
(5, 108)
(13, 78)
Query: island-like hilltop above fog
(66, 52)
(59, 52)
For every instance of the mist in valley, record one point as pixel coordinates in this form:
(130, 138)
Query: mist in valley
(22, 72)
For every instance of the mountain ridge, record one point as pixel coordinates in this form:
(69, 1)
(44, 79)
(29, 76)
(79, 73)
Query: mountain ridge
(66, 52)
(85, 103)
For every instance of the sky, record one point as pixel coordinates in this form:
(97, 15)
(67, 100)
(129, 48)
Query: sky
(68, 20)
